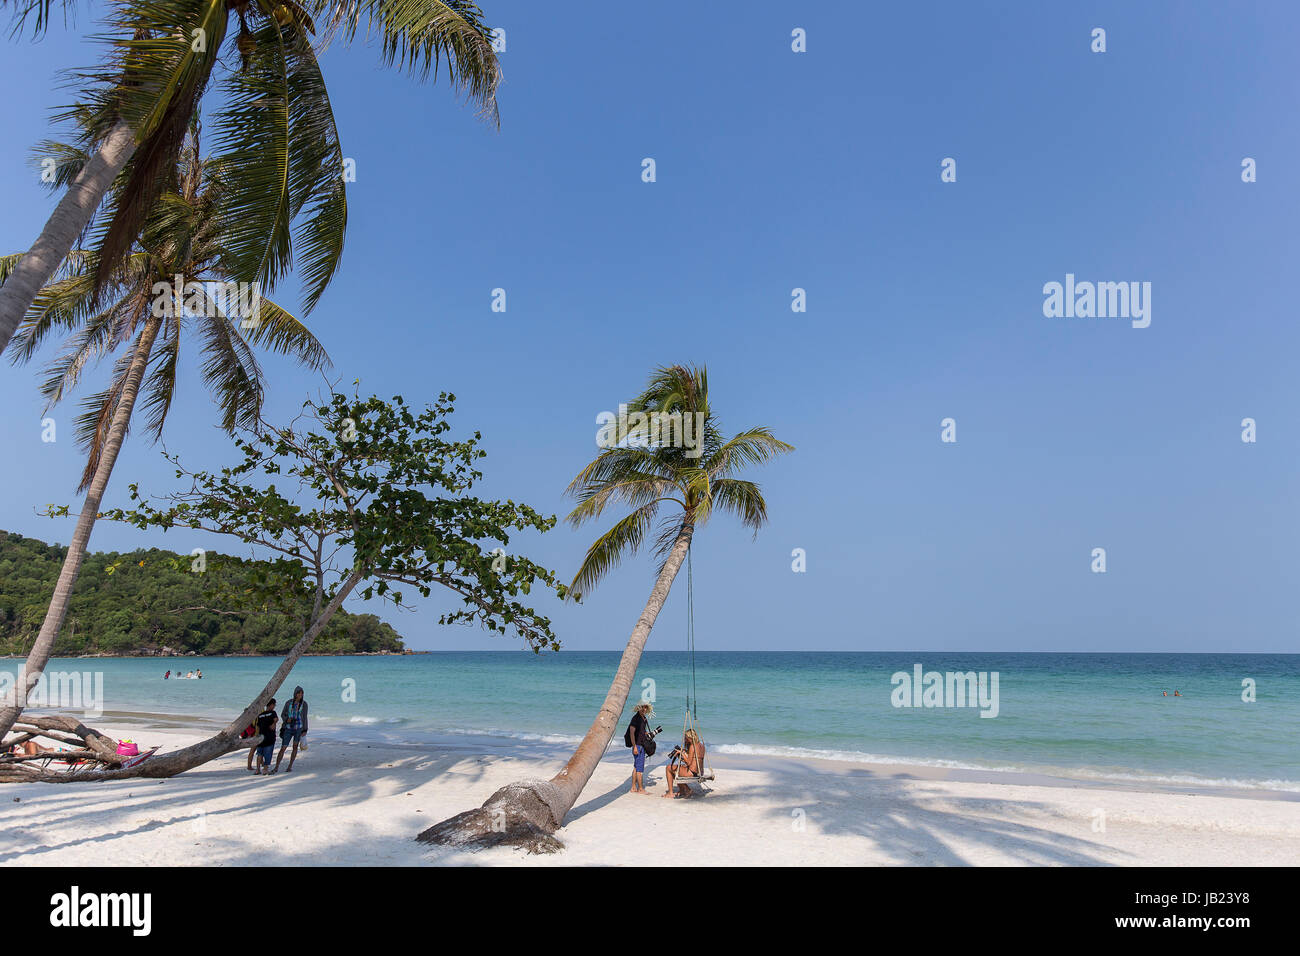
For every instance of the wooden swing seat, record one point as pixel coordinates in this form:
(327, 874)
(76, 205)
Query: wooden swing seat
(700, 778)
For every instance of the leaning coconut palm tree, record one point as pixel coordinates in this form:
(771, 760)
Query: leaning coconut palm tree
(671, 457)
(148, 316)
(163, 53)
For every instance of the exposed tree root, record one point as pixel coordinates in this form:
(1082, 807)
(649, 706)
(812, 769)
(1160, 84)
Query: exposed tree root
(523, 815)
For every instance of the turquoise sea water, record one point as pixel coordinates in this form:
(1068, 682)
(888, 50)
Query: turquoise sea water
(1078, 715)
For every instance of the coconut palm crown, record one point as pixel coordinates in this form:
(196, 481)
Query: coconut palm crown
(649, 472)
(183, 237)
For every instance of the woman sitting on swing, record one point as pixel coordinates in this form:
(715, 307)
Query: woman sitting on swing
(687, 761)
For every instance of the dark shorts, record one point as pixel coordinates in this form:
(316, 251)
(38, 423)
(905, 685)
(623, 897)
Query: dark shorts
(287, 734)
(638, 760)
(267, 753)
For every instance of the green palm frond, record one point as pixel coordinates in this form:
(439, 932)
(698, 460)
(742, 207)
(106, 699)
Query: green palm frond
(62, 304)
(280, 197)
(231, 372)
(34, 13)
(83, 349)
(318, 197)
(64, 160)
(630, 475)
(755, 446)
(159, 388)
(164, 53)
(634, 491)
(612, 464)
(424, 36)
(7, 264)
(742, 499)
(675, 386)
(173, 227)
(92, 425)
(277, 330)
(610, 548)
(253, 137)
(67, 303)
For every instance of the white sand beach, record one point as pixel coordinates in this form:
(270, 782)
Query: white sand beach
(356, 804)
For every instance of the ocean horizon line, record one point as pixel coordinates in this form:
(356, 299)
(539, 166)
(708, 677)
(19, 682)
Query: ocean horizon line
(651, 650)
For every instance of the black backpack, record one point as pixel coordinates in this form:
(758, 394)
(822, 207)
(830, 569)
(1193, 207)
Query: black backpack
(647, 742)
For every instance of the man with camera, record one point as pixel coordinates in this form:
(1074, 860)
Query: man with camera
(638, 737)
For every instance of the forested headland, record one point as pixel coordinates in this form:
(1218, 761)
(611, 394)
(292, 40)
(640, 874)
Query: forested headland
(152, 601)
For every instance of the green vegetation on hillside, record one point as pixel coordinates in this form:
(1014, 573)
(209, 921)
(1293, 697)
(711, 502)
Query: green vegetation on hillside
(143, 601)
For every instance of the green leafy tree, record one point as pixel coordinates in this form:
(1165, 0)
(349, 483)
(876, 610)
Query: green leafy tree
(156, 599)
(359, 519)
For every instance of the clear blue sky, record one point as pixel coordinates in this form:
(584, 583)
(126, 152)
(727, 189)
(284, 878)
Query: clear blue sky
(821, 170)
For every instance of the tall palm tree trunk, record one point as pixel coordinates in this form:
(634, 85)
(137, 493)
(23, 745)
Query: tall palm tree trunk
(39, 655)
(571, 780)
(39, 263)
(526, 814)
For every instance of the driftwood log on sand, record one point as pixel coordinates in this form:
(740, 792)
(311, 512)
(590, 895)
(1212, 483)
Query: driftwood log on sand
(92, 751)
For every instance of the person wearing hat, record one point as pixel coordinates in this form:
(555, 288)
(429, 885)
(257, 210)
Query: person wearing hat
(293, 726)
(636, 732)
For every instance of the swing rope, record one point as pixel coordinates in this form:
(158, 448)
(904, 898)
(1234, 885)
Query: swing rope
(691, 721)
(690, 632)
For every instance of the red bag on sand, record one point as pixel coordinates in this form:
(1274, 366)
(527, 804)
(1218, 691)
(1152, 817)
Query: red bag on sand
(127, 749)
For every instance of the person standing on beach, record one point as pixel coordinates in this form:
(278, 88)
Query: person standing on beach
(636, 732)
(293, 728)
(266, 748)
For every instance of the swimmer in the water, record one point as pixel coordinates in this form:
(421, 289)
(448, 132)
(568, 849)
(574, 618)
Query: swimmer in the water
(1176, 694)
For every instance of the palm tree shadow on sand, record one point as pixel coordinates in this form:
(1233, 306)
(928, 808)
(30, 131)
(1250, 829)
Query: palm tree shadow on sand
(911, 824)
(154, 806)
